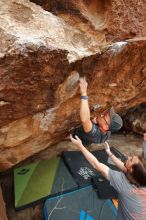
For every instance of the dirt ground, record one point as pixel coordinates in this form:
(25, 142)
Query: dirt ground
(127, 144)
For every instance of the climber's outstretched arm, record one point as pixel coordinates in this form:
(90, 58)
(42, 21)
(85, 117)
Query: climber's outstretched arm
(84, 108)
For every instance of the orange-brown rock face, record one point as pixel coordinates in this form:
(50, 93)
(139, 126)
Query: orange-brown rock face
(3, 215)
(39, 56)
(117, 20)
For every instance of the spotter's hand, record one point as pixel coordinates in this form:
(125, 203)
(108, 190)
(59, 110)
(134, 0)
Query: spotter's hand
(107, 148)
(76, 140)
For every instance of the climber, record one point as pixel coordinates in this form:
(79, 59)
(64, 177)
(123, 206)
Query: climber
(99, 129)
(130, 183)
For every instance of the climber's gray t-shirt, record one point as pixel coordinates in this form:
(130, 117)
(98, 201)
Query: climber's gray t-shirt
(132, 200)
(93, 136)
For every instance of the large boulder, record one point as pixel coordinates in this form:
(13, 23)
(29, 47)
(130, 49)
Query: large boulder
(3, 214)
(39, 95)
(117, 20)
